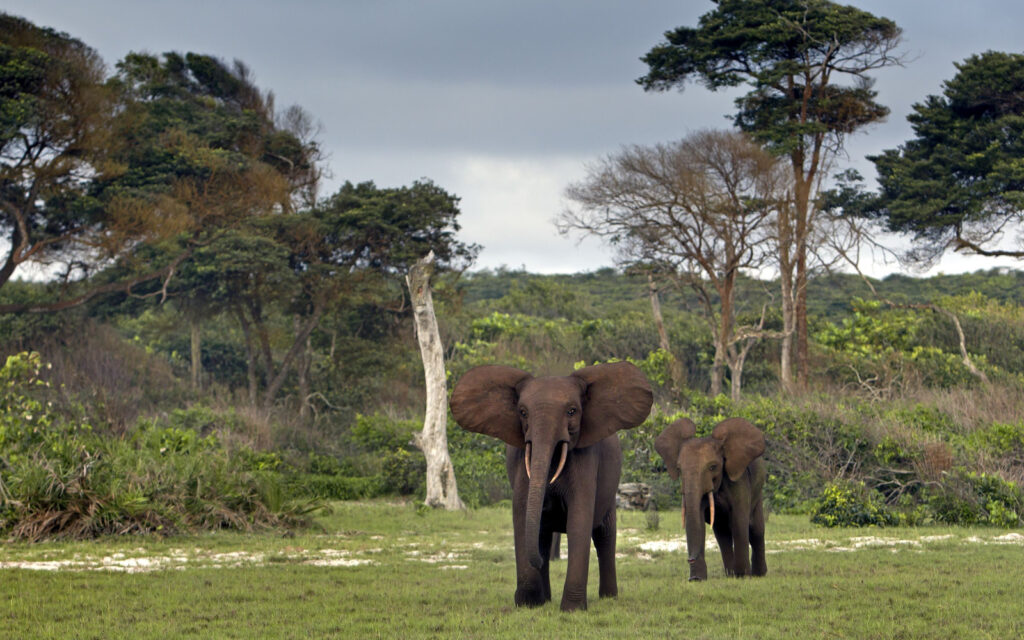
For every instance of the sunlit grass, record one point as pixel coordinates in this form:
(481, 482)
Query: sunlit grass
(395, 570)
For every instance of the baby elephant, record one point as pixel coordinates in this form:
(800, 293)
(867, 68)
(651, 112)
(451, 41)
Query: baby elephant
(722, 474)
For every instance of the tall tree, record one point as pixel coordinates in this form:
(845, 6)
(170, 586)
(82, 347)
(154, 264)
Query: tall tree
(959, 182)
(55, 116)
(341, 254)
(792, 53)
(205, 154)
(701, 210)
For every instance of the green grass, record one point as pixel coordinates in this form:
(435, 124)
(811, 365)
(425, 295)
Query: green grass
(451, 575)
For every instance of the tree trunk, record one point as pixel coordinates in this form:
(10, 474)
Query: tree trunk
(302, 366)
(275, 384)
(723, 337)
(785, 253)
(675, 367)
(196, 351)
(250, 355)
(433, 440)
(802, 208)
(803, 360)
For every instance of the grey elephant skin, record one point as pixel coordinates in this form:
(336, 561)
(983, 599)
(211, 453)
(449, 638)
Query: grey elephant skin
(722, 479)
(563, 460)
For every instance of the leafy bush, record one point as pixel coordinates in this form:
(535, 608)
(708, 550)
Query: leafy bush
(332, 487)
(852, 504)
(969, 498)
(641, 462)
(479, 463)
(381, 450)
(60, 479)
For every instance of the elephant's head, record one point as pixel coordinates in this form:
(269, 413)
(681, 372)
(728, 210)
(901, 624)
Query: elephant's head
(549, 416)
(699, 465)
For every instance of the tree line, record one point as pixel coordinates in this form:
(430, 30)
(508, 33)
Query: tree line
(698, 212)
(176, 179)
(173, 200)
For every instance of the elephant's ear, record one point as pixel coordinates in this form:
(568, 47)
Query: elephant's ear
(617, 396)
(741, 443)
(484, 400)
(671, 441)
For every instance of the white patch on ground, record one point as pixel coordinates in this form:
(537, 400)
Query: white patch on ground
(138, 560)
(178, 559)
(854, 543)
(437, 558)
(671, 546)
(1009, 538)
(339, 562)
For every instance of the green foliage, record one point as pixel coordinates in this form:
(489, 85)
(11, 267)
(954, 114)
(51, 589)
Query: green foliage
(924, 418)
(967, 497)
(381, 457)
(334, 487)
(883, 349)
(1000, 439)
(59, 478)
(962, 169)
(870, 331)
(851, 504)
(479, 463)
(641, 462)
(773, 46)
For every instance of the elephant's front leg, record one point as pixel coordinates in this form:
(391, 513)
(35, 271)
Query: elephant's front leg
(579, 527)
(531, 587)
(739, 521)
(723, 534)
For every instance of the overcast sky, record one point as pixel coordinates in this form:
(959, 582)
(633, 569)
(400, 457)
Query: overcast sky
(502, 103)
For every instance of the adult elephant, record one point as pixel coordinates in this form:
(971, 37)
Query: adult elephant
(563, 461)
(724, 474)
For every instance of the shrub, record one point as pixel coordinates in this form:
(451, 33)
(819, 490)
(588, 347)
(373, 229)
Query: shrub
(851, 504)
(60, 479)
(968, 498)
(641, 462)
(479, 463)
(331, 487)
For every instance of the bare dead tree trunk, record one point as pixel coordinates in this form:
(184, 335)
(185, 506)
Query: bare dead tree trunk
(975, 371)
(442, 490)
(196, 351)
(953, 317)
(675, 367)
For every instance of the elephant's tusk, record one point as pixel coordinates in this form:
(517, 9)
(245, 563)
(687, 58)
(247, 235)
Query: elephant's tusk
(711, 501)
(527, 460)
(561, 463)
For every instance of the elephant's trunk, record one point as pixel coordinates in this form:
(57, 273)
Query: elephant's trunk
(693, 522)
(538, 466)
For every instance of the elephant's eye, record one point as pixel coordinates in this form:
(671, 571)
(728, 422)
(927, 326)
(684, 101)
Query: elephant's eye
(571, 411)
(522, 412)
(713, 467)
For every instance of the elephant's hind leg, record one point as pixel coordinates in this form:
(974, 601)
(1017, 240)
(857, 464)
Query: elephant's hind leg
(758, 565)
(604, 543)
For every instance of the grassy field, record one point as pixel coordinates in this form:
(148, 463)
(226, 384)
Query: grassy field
(390, 570)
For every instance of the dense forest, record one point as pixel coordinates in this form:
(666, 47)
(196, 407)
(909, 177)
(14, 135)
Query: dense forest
(195, 337)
